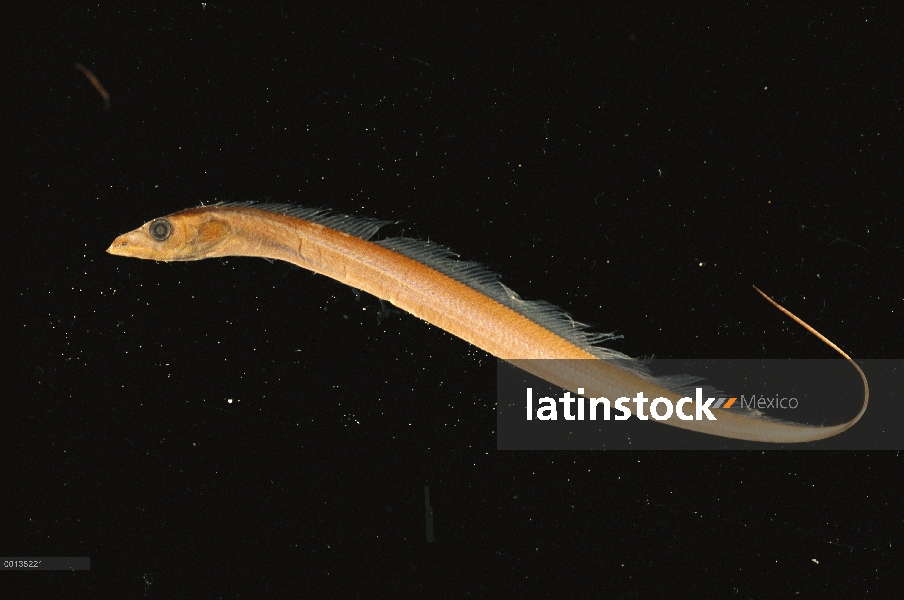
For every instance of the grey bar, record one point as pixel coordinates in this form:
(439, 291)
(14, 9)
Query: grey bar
(810, 392)
(46, 563)
(429, 511)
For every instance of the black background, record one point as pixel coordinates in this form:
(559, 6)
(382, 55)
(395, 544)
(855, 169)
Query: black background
(234, 428)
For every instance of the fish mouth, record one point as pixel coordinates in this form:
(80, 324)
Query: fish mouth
(131, 244)
(119, 247)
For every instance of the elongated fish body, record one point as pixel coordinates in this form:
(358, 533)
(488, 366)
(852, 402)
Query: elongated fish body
(462, 298)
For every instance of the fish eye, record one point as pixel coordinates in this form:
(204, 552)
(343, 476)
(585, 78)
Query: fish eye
(160, 229)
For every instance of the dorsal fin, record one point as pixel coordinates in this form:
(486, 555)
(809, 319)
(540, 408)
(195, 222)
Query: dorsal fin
(361, 227)
(478, 277)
